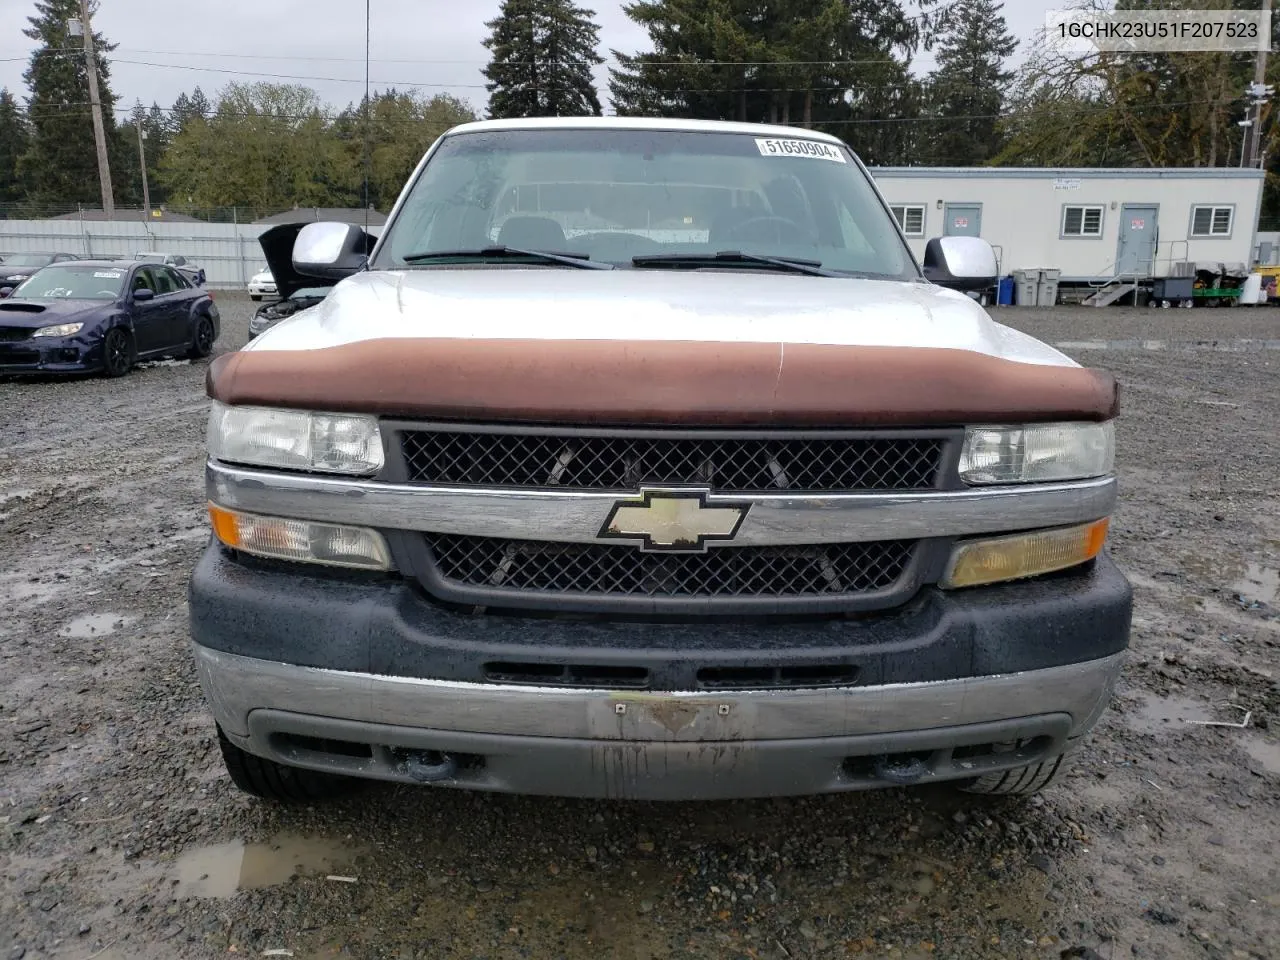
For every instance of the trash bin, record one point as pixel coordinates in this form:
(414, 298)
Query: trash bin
(1028, 284)
(1047, 295)
(1004, 292)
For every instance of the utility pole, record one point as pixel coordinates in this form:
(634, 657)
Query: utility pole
(1260, 93)
(142, 161)
(95, 102)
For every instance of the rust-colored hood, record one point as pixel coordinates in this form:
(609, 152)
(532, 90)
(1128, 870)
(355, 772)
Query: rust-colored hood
(633, 347)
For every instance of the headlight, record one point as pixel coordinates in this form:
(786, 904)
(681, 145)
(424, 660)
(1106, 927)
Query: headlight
(1024, 554)
(58, 330)
(295, 439)
(1037, 452)
(300, 540)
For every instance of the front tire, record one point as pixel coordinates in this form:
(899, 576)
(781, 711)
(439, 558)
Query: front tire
(1021, 781)
(269, 780)
(118, 352)
(202, 341)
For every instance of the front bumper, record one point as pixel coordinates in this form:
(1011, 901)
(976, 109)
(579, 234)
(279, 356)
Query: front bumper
(50, 355)
(652, 746)
(362, 677)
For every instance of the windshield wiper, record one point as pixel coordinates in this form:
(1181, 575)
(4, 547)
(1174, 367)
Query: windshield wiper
(795, 265)
(580, 260)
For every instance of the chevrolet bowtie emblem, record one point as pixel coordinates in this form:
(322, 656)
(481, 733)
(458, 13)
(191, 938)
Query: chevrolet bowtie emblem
(674, 520)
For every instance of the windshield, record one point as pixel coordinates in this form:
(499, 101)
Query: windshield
(618, 194)
(65, 281)
(28, 260)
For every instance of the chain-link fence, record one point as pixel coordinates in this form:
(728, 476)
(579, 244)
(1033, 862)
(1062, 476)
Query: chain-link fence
(177, 213)
(227, 250)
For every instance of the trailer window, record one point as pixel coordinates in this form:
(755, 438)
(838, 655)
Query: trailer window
(910, 217)
(1207, 221)
(1078, 221)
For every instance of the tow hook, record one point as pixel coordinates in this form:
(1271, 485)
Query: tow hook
(430, 766)
(900, 769)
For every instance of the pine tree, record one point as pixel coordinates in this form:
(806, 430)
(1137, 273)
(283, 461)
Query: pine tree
(836, 65)
(966, 92)
(542, 55)
(200, 105)
(14, 138)
(60, 163)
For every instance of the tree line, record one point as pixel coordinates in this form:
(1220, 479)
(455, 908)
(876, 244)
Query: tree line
(841, 66)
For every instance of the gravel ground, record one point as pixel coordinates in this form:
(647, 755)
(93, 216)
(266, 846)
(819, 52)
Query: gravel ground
(121, 837)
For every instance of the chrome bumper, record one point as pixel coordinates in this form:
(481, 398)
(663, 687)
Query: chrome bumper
(653, 745)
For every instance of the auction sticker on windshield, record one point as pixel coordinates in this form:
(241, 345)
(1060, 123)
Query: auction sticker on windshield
(774, 147)
(107, 274)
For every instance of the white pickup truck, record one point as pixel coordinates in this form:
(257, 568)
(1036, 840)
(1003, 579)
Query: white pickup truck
(640, 458)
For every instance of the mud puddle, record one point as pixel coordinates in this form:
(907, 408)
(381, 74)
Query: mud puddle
(1162, 714)
(1265, 753)
(1258, 584)
(94, 625)
(222, 870)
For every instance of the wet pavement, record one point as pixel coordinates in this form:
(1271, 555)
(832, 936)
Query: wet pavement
(121, 837)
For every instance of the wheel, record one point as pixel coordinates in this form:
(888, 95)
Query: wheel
(118, 353)
(1020, 781)
(202, 342)
(274, 781)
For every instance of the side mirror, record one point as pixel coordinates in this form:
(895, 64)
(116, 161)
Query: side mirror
(143, 294)
(330, 251)
(961, 263)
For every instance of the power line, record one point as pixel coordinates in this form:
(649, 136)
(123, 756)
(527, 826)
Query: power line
(293, 76)
(1071, 109)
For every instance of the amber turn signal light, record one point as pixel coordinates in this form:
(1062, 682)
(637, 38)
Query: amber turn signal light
(977, 562)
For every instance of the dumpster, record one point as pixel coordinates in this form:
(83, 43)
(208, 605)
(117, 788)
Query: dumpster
(1028, 284)
(1047, 295)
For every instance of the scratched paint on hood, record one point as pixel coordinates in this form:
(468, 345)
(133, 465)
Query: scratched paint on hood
(706, 306)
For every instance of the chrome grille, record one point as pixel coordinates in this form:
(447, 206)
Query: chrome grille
(623, 460)
(506, 567)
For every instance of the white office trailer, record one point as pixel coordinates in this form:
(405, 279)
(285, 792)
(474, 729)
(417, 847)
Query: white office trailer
(1094, 226)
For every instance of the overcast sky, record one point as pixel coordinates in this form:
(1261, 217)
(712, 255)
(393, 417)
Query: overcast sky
(425, 44)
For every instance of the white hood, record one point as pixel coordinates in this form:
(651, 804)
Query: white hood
(737, 305)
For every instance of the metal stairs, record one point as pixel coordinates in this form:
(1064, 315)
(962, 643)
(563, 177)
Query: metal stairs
(1112, 291)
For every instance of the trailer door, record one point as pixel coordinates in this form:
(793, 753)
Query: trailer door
(1138, 231)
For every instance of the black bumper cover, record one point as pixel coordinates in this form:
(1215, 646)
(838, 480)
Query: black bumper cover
(387, 627)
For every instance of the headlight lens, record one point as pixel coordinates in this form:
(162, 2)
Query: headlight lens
(295, 439)
(58, 330)
(1024, 555)
(1038, 452)
(300, 540)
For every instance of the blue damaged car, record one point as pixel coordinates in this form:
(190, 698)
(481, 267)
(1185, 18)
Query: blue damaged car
(103, 316)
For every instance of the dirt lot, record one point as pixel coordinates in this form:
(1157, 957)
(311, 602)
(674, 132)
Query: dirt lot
(121, 837)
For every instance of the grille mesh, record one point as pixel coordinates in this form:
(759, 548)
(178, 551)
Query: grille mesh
(619, 462)
(13, 334)
(623, 571)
